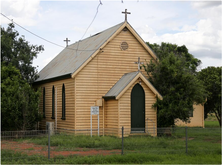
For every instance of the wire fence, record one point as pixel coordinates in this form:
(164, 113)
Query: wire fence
(61, 143)
(11, 135)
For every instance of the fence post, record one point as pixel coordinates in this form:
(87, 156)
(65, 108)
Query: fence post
(186, 139)
(122, 139)
(48, 141)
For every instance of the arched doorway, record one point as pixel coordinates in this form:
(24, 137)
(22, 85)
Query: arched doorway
(137, 109)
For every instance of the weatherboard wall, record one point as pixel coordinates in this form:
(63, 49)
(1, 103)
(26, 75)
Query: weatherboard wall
(197, 120)
(111, 117)
(69, 122)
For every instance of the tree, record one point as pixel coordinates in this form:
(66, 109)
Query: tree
(162, 51)
(211, 77)
(174, 76)
(19, 101)
(17, 51)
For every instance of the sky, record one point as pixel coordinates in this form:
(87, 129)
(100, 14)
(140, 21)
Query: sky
(195, 24)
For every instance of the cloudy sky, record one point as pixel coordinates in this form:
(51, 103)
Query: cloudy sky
(195, 24)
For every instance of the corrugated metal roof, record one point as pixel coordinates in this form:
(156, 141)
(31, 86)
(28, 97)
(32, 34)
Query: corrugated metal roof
(121, 84)
(124, 81)
(68, 61)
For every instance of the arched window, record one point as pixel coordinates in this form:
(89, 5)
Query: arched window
(63, 102)
(44, 102)
(53, 102)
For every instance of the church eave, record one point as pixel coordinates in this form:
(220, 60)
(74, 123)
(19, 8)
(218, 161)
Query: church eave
(109, 97)
(125, 82)
(66, 76)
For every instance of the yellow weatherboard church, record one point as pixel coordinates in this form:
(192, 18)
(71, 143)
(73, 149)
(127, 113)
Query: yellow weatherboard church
(102, 70)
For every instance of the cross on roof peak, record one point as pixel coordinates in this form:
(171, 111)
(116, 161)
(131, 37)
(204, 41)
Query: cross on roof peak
(139, 63)
(67, 40)
(126, 14)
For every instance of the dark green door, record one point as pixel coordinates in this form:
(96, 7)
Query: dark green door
(138, 108)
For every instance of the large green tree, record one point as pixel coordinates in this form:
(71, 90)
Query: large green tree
(174, 76)
(19, 101)
(211, 77)
(20, 53)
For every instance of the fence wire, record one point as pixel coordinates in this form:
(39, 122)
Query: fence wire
(85, 142)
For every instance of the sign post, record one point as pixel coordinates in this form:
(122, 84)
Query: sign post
(94, 111)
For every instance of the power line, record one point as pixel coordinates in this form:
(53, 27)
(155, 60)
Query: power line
(42, 37)
(31, 32)
(97, 10)
(100, 3)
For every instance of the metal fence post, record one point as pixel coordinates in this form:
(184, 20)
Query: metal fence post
(48, 141)
(186, 139)
(122, 139)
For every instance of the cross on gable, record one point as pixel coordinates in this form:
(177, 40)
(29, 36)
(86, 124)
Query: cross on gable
(67, 40)
(126, 14)
(139, 63)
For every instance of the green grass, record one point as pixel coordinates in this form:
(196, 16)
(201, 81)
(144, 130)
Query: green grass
(209, 124)
(211, 121)
(204, 146)
(133, 158)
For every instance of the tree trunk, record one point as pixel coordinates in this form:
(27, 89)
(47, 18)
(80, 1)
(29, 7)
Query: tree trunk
(218, 115)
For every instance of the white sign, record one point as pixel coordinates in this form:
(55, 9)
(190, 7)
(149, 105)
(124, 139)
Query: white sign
(95, 110)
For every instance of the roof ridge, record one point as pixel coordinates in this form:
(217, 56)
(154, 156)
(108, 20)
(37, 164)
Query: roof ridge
(98, 33)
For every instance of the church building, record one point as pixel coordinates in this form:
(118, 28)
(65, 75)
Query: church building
(102, 70)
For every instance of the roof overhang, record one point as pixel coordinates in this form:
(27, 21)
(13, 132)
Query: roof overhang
(53, 79)
(117, 90)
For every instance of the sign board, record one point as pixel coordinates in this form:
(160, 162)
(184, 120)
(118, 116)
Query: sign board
(95, 110)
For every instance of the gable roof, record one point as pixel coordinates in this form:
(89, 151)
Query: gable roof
(70, 60)
(125, 82)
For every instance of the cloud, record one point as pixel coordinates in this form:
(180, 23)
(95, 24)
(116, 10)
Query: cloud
(210, 62)
(206, 4)
(187, 28)
(23, 11)
(146, 32)
(203, 39)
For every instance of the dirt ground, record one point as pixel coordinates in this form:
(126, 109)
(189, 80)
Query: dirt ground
(33, 149)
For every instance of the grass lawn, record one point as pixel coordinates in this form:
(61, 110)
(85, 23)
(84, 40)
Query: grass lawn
(209, 124)
(211, 121)
(132, 158)
(204, 147)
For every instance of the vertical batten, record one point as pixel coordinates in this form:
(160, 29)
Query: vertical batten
(103, 115)
(53, 102)
(56, 108)
(118, 116)
(75, 103)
